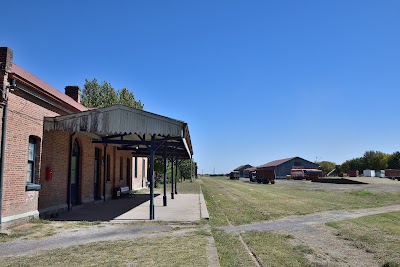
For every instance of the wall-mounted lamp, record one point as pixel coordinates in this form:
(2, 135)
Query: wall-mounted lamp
(13, 85)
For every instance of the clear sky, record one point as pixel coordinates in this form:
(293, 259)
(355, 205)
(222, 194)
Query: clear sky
(255, 80)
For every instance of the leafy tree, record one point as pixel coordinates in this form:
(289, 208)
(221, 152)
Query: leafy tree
(185, 169)
(128, 99)
(95, 95)
(352, 164)
(327, 166)
(375, 160)
(357, 164)
(345, 166)
(394, 161)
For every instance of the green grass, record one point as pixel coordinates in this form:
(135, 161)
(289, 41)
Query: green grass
(87, 223)
(270, 249)
(276, 250)
(230, 250)
(362, 193)
(184, 187)
(378, 234)
(188, 250)
(241, 202)
(36, 229)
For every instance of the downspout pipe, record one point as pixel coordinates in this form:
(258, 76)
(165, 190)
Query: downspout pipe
(3, 153)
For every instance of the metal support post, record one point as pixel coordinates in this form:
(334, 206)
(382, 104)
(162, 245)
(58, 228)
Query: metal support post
(191, 171)
(172, 177)
(105, 172)
(152, 151)
(176, 175)
(165, 178)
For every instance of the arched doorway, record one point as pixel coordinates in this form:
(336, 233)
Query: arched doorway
(75, 169)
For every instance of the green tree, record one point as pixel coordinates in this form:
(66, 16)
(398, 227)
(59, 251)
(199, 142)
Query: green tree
(345, 166)
(394, 160)
(186, 170)
(95, 95)
(357, 164)
(375, 160)
(128, 99)
(352, 164)
(326, 166)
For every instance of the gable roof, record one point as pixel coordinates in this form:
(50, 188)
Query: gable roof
(44, 88)
(242, 167)
(251, 169)
(281, 161)
(276, 162)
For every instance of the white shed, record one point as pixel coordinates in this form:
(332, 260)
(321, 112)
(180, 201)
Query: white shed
(369, 173)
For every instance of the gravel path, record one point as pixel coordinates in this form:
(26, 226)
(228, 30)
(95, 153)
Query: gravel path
(294, 222)
(310, 230)
(78, 236)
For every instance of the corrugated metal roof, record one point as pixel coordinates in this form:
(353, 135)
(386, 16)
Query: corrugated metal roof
(45, 87)
(121, 120)
(276, 162)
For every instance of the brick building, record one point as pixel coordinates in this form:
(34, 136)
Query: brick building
(48, 169)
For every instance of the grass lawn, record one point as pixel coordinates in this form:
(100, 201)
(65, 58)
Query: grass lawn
(188, 250)
(230, 250)
(234, 202)
(275, 250)
(243, 202)
(184, 187)
(378, 234)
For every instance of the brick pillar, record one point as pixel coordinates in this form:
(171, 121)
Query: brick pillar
(6, 57)
(74, 92)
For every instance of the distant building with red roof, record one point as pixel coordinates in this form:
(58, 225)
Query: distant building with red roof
(282, 167)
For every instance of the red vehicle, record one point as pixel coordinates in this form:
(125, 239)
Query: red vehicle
(308, 174)
(392, 174)
(265, 176)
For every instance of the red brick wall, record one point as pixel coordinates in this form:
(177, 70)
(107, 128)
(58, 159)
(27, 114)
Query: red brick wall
(54, 192)
(56, 157)
(25, 118)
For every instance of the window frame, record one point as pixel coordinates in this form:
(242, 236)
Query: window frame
(32, 162)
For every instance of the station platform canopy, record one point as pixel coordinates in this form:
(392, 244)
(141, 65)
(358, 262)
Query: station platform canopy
(128, 129)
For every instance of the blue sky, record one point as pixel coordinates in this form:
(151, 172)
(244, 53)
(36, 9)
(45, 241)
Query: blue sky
(255, 80)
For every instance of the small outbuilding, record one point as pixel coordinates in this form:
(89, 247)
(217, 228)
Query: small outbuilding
(241, 170)
(282, 167)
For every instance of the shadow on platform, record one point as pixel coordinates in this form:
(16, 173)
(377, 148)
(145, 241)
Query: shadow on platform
(103, 211)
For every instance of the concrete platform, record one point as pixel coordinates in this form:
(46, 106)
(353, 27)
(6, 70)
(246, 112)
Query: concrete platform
(183, 208)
